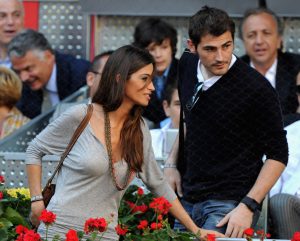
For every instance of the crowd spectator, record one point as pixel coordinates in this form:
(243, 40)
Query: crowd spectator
(261, 31)
(10, 92)
(11, 23)
(160, 38)
(232, 118)
(48, 76)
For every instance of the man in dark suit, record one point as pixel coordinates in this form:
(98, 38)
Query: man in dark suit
(47, 76)
(261, 32)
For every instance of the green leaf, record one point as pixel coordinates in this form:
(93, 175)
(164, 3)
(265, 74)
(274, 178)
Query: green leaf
(5, 224)
(15, 217)
(3, 234)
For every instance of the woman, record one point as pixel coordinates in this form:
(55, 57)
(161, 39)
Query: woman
(86, 185)
(10, 92)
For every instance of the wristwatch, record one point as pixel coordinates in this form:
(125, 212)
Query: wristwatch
(251, 203)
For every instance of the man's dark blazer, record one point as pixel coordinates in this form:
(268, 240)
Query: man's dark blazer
(154, 111)
(71, 75)
(288, 66)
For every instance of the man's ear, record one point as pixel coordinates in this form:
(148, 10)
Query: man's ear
(191, 46)
(90, 79)
(166, 108)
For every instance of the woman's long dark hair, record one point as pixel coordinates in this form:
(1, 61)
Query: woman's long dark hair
(110, 94)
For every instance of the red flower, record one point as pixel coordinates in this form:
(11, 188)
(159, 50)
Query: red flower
(249, 232)
(1, 195)
(2, 180)
(211, 237)
(160, 217)
(143, 224)
(142, 208)
(21, 229)
(92, 224)
(155, 226)
(121, 230)
(160, 205)
(47, 217)
(71, 235)
(296, 236)
(140, 191)
(31, 236)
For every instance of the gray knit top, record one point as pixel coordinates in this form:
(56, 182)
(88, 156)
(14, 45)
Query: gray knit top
(85, 187)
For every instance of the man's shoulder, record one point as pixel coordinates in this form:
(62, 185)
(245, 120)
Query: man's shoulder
(286, 58)
(68, 59)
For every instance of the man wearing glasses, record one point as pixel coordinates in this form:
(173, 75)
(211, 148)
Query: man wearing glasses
(230, 119)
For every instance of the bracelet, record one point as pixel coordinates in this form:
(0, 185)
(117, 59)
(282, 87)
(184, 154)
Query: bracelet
(170, 165)
(36, 198)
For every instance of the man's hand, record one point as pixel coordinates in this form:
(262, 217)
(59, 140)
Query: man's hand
(173, 177)
(36, 210)
(238, 220)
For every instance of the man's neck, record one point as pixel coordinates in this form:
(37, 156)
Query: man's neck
(206, 74)
(263, 67)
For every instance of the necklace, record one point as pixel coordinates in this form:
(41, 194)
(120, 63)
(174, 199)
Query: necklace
(109, 152)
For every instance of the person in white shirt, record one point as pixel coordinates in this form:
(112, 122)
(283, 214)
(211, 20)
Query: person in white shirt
(285, 195)
(171, 105)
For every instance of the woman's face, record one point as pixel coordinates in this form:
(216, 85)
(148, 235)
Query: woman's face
(139, 86)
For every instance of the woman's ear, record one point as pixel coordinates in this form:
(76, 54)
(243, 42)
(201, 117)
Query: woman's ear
(118, 77)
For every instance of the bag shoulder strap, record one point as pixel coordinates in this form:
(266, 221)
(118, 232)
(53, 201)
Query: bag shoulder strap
(73, 140)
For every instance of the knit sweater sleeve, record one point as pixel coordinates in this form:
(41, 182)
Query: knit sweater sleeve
(54, 139)
(151, 173)
(269, 120)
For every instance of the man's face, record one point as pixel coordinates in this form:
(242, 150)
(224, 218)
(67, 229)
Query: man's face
(172, 110)
(162, 55)
(93, 78)
(11, 20)
(261, 38)
(35, 68)
(215, 52)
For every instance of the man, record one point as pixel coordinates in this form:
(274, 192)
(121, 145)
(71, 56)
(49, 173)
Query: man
(232, 118)
(47, 76)
(261, 32)
(93, 78)
(160, 38)
(11, 22)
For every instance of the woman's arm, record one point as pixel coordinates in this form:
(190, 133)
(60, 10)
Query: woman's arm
(34, 173)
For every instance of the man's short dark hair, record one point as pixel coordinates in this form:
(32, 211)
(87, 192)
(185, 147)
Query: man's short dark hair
(154, 30)
(211, 21)
(257, 11)
(170, 88)
(95, 65)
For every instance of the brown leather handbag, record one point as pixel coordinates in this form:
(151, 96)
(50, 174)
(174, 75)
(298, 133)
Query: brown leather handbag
(49, 189)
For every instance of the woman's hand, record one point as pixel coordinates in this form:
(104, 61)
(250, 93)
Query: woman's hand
(36, 209)
(204, 232)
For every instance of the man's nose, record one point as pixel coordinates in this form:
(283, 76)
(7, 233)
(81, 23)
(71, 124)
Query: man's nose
(219, 56)
(259, 38)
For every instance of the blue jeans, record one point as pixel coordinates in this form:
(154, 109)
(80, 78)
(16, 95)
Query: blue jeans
(209, 213)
